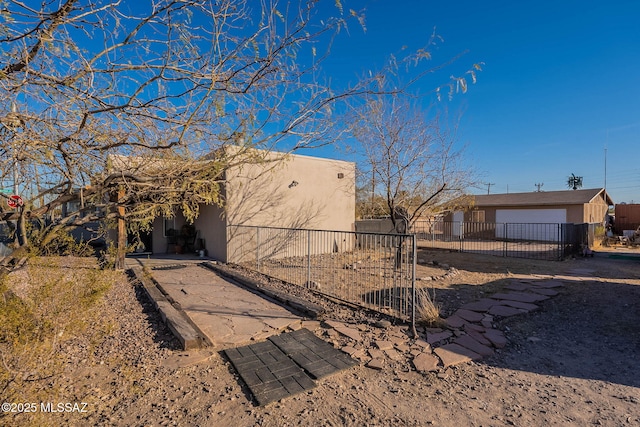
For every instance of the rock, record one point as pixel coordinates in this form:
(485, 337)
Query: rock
(377, 364)
(382, 323)
(384, 345)
(425, 363)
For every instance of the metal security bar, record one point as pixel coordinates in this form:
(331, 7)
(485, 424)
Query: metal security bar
(373, 270)
(519, 240)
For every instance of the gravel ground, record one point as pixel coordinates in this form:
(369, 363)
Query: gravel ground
(573, 362)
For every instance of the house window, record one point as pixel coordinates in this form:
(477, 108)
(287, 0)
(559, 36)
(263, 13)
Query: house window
(477, 216)
(168, 224)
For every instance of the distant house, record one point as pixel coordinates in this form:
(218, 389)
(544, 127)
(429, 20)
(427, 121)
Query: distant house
(292, 191)
(546, 207)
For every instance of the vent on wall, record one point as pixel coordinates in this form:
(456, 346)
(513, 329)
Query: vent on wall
(340, 175)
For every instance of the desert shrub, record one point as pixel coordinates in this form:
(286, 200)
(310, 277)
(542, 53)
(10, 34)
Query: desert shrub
(61, 243)
(427, 310)
(43, 307)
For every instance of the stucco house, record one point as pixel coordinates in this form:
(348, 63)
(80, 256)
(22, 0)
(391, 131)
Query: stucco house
(292, 191)
(571, 206)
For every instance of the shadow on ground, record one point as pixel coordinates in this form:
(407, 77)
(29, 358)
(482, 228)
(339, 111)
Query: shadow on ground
(589, 331)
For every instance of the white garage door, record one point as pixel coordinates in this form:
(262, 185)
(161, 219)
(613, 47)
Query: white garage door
(532, 216)
(530, 224)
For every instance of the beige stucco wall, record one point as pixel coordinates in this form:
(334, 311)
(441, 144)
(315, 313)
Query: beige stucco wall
(292, 191)
(212, 229)
(297, 192)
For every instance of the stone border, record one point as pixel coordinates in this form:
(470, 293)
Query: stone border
(189, 335)
(469, 333)
(307, 308)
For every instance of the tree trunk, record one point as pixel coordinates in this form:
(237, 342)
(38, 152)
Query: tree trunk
(122, 234)
(21, 229)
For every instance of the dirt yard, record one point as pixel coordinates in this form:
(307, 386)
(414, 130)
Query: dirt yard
(573, 362)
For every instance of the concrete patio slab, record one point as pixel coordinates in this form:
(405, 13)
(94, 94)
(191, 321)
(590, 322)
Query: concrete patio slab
(228, 314)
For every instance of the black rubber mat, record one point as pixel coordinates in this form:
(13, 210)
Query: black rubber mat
(282, 366)
(317, 357)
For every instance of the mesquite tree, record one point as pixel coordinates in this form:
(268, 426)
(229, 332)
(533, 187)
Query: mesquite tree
(411, 158)
(163, 83)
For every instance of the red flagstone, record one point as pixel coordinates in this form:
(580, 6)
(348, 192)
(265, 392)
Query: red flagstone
(468, 315)
(479, 337)
(474, 327)
(519, 296)
(455, 354)
(425, 362)
(522, 305)
(384, 345)
(438, 336)
(504, 311)
(455, 321)
(544, 291)
(468, 342)
(550, 284)
(496, 337)
(350, 333)
(517, 287)
(481, 305)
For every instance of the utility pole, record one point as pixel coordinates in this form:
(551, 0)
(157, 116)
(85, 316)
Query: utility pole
(605, 167)
(539, 186)
(489, 184)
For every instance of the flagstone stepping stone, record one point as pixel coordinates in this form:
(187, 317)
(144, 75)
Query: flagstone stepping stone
(349, 333)
(550, 284)
(482, 305)
(468, 342)
(438, 336)
(424, 362)
(474, 327)
(544, 291)
(496, 337)
(479, 337)
(455, 322)
(522, 305)
(504, 311)
(517, 286)
(377, 364)
(468, 315)
(455, 354)
(384, 345)
(518, 296)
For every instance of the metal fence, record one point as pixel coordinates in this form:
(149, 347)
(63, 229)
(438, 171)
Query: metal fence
(518, 240)
(373, 270)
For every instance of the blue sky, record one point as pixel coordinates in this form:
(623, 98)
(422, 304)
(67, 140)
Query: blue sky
(560, 83)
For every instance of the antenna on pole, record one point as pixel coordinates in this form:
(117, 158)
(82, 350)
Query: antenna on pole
(539, 186)
(489, 184)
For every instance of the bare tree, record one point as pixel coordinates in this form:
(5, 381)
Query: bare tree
(125, 108)
(412, 158)
(164, 83)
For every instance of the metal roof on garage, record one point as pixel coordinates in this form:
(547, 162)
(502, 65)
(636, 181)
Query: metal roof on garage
(543, 198)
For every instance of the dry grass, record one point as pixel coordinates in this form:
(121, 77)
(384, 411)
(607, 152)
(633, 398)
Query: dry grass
(43, 307)
(427, 310)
